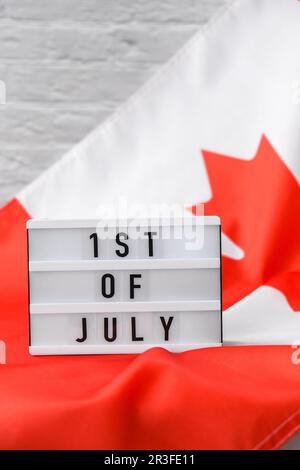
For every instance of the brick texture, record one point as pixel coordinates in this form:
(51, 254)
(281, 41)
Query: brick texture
(67, 64)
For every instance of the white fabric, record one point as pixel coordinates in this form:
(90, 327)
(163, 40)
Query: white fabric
(263, 317)
(234, 81)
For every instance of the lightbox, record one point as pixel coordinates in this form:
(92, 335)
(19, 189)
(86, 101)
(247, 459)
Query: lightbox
(104, 287)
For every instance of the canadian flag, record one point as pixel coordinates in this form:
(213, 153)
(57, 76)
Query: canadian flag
(219, 124)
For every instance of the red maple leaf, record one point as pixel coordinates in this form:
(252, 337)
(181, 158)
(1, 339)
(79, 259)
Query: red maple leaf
(259, 204)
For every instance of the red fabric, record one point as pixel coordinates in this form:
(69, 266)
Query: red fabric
(223, 398)
(259, 205)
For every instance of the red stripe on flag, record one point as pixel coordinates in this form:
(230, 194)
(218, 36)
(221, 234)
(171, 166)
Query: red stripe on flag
(223, 398)
(13, 281)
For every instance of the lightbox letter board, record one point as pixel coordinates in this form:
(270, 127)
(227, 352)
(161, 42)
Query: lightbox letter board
(97, 289)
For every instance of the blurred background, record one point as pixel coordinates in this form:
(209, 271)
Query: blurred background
(67, 65)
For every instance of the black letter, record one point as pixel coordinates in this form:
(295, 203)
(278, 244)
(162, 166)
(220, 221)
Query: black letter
(112, 338)
(84, 332)
(166, 326)
(95, 237)
(133, 329)
(112, 286)
(133, 285)
(150, 241)
(126, 249)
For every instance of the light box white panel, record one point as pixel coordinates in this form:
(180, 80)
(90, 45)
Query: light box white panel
(63, 331)
(74, 243)
(105, 307)
(156, 285)
(176, 273)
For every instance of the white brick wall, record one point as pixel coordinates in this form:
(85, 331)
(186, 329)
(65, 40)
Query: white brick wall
(68, 63)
